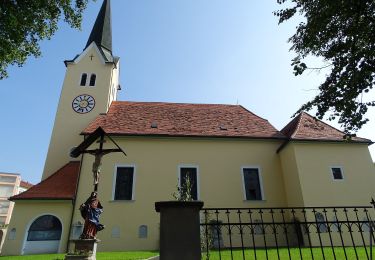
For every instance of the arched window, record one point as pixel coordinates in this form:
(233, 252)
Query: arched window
(366, 225)
(258, 229)
(12, 234)
(92, 80)
(44, 228)
(142, 232)
(115, 232)
(83, 79)
(335, 225)
(321, 222)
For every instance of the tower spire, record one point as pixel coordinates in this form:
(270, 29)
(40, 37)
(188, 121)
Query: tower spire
(101, 32)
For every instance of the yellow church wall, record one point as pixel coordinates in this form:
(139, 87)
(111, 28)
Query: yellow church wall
(291, 176)
(157, 162)
(25, 212)
(314, 162)
(68, 123)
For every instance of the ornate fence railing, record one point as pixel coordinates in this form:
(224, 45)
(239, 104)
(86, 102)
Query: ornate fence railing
(288, 233)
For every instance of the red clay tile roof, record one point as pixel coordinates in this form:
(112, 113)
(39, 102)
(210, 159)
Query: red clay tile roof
(174, 119)
(26, 185)
(307, 127)
(59, 186)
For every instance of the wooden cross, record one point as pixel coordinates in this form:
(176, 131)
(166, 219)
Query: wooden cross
(98, 153)
(91, 56)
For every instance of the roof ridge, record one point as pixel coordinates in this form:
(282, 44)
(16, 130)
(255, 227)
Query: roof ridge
(299, 119)
(183, 119)
(173, 103)
(247, 110)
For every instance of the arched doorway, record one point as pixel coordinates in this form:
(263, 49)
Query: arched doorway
(43, 236)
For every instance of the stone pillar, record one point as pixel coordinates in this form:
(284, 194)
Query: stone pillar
(179, 230)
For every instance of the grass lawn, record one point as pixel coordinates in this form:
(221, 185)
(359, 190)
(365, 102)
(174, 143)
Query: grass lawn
(131, 255)
(295, 254)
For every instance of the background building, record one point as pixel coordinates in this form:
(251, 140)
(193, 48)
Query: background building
(10, 185)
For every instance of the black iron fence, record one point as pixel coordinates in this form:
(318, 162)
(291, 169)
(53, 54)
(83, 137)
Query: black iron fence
(288, 233)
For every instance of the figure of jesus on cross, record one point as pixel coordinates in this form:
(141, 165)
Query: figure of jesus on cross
(92, 208)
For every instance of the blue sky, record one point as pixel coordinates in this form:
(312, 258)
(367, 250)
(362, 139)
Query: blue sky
(212, 51)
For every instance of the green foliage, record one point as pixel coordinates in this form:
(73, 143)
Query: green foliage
(342, 34)
(25, 23)
(184, 192)
(2, 226)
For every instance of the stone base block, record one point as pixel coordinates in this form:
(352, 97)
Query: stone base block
(83, 249)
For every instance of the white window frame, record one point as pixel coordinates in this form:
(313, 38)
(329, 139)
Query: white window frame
(198, 176)
(115, 177)
(260, 182)
(342, 173)
(88, 79)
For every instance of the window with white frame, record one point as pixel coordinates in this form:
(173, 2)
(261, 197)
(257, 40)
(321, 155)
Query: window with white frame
(337, 173)
(252, 184)
(124, 183)
(85, 79)
(188, 181)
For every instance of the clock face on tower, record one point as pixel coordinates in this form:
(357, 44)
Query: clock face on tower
(83, 103)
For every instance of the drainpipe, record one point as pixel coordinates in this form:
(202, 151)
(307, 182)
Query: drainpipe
(74, 203)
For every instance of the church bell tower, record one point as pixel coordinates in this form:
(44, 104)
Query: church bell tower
(90, 85)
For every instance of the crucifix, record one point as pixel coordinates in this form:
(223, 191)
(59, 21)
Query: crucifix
(92, 208)
(97, 153)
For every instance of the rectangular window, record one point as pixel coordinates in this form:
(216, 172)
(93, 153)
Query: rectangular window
(124, 183)
(8, 179)
(4, 207)
(6, 191)
(252, 184)
(337, 173)
(189, 175)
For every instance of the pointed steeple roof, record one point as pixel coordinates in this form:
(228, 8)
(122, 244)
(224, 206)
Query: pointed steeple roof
(101, 33)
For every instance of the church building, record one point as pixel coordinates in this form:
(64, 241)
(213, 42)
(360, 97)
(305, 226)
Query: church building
(233, 157)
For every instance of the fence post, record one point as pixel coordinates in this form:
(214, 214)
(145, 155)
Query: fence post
(179, 229)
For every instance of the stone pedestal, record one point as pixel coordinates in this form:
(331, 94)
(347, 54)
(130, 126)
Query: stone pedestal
(179, 230)
(83, 249)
